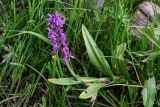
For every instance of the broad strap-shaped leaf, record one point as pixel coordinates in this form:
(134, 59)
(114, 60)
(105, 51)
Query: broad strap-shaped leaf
(148, 92)
(71, 81)
(151, 56)
(95, 54)
(142, 53)
(93, 79)
(91, 90)
(64, 81)
(118, 60)
(119, 51)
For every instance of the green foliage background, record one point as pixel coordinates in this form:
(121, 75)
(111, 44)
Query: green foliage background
(28, 63)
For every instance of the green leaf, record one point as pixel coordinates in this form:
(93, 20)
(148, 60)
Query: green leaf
(119, 51)
(64, 81)
(151, 56)
(142, 53)
(71, 81)
(91, 90)
(37, 35)
(95, 54)
(148, 92)
(93, 79)
(118, 60)
(43, 38)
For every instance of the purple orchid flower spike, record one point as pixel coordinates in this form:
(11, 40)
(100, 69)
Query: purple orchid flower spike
(57, 36)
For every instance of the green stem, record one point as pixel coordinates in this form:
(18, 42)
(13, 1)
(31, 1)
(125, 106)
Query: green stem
(71, 70)
(138, 86)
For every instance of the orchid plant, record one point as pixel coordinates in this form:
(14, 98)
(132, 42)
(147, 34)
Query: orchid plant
(57, 38)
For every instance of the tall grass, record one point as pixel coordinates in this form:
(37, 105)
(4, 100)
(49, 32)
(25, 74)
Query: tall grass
(28, 62)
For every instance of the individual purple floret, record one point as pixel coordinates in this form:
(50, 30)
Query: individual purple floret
(57, 36)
